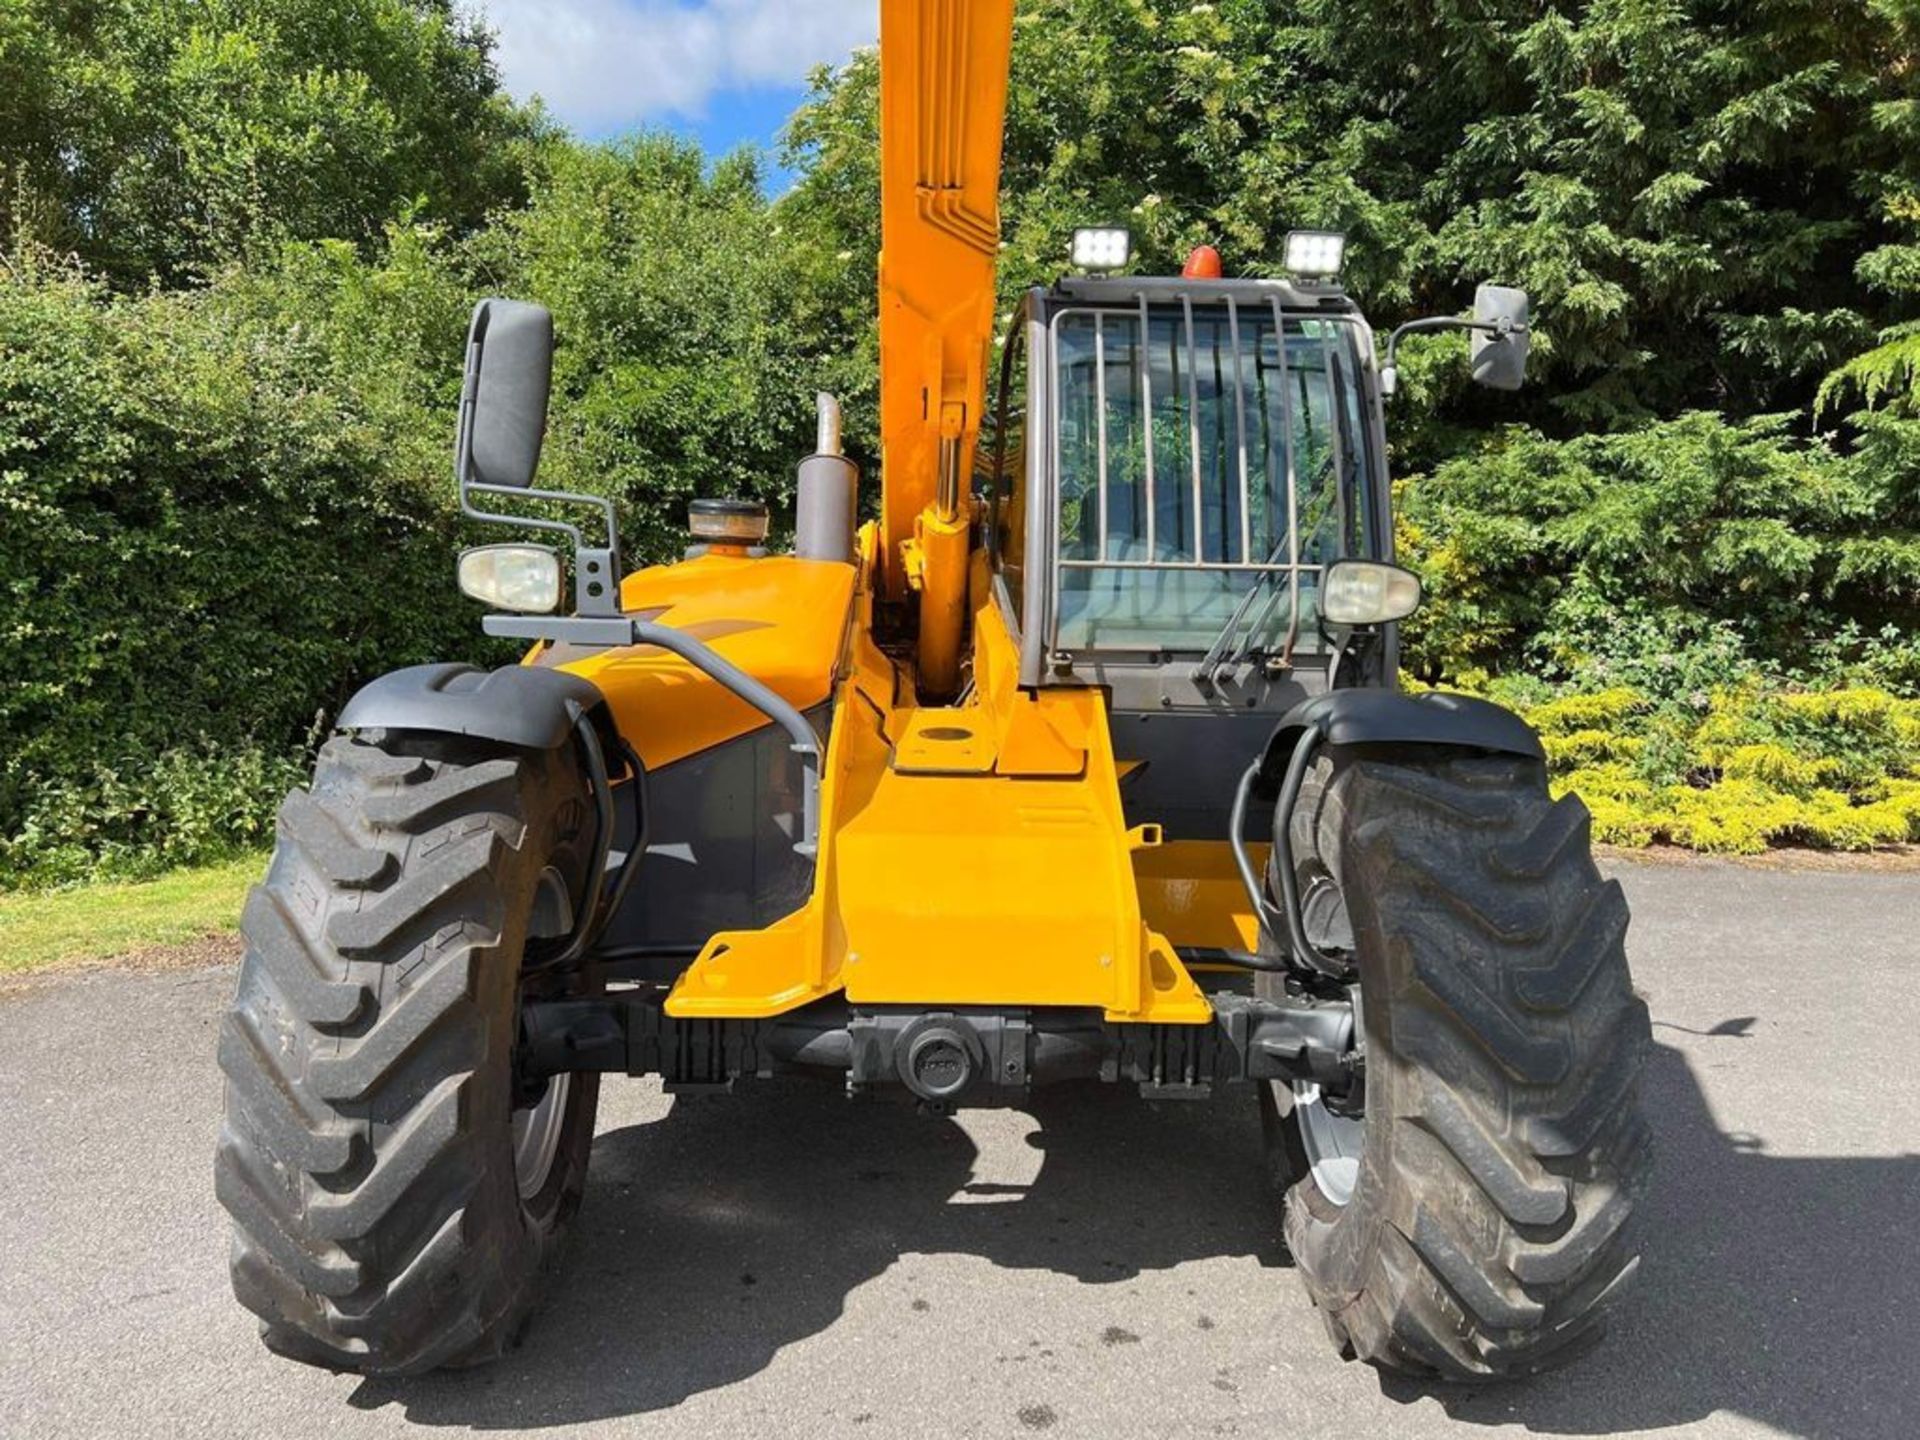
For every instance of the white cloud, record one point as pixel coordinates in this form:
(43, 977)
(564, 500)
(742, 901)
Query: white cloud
(604, 64)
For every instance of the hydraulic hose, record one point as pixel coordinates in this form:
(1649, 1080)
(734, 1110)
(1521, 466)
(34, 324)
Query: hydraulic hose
(1256, 892)
(629, 867)
(806, 744)
(584, 921)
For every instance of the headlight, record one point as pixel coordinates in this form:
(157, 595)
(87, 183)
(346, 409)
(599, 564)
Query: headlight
(512, 577)
(1367, 592)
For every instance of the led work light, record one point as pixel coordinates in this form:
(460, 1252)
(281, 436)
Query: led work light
(1101, 247)
(1317, 253)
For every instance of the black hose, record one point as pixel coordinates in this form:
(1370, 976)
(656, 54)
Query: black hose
(1256, 892)
(586, 923)
(1219, 955)
(630, 867)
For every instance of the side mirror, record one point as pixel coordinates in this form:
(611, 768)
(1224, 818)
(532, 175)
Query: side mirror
(1498, 354)
(503, 402)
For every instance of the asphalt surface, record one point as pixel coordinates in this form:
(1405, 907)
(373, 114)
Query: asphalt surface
(783, 1264)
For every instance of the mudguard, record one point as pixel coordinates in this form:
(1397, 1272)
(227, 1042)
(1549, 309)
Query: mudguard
(528, 706)
(1389, 717)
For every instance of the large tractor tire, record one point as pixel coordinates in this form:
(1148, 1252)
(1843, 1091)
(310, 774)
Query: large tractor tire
(395, 1195)
(1470, 1221)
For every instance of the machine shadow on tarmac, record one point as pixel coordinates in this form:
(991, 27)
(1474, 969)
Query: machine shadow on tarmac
(1775, 1285)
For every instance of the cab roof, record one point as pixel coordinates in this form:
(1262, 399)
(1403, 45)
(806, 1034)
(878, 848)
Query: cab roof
(1162, 289)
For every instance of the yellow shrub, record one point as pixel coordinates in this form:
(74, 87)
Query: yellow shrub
(1589, 747)
(1617, 799)
(1735, 817)
(1906, 730)
(1734, 718)
(1832, 768)
(1859, 707)
(1830, 818)
(1611, 779)
(1620, 822)
(1744, 817)
(1863, 711)
(1775, 765)
(1606, 709)
(1904, 797)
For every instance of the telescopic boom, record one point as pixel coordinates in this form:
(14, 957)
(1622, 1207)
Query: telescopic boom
(943, 96)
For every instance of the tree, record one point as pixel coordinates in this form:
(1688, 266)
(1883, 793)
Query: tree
(162, 137)
(1704, 197)
(687, 355)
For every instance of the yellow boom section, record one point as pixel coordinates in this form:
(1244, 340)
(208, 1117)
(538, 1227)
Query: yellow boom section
(943, 95)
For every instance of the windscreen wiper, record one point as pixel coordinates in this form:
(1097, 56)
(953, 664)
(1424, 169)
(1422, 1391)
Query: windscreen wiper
(1217, 658)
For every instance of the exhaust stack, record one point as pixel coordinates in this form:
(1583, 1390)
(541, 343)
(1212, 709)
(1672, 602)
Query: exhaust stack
(828, 494)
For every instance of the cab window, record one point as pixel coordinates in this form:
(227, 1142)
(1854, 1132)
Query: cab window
(1200, 453)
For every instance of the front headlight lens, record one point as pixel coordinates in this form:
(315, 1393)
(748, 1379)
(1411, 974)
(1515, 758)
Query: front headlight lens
(512, 577)
(1368, 592)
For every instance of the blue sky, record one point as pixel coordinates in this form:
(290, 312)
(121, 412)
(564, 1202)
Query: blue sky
(722, 71)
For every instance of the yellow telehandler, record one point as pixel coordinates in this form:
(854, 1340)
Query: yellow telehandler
(1084, 760)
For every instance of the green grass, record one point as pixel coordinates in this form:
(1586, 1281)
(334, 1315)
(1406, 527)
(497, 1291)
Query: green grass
(94, 922)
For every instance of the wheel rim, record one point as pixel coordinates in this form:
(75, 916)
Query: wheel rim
(537, 1128)
(1334, 1143)
(536, 1136)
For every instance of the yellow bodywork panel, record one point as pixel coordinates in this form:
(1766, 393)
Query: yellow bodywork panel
(943, 97)
(965, 882)
(975, 854)
(955, 889)
(780, 619)
(943, 89)
(1190, 892)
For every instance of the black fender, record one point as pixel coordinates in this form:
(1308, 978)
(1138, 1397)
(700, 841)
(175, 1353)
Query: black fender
(532, 707)
(1350, 717)
(1390, 717)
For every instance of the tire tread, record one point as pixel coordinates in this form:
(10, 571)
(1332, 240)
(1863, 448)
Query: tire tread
(1506, 1232)
(349, 1160)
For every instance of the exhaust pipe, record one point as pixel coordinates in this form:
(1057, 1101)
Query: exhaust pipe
(828, 442)
(827, 500)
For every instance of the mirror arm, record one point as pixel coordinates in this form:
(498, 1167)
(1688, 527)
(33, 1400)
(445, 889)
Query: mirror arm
(594, 568)
(1390, 369)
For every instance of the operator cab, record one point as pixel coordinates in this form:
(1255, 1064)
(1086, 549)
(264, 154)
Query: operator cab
(1200, 442)
(1170, 464)
(1189, 474)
